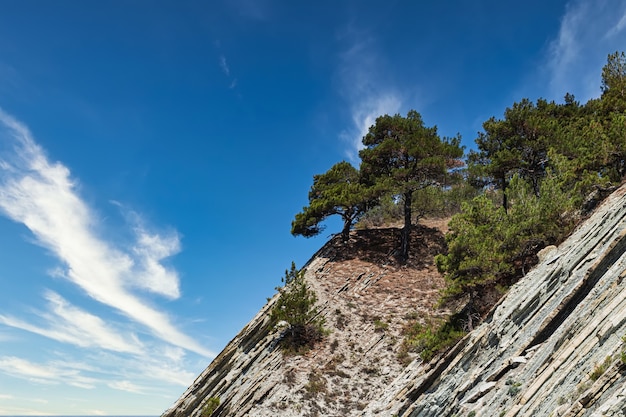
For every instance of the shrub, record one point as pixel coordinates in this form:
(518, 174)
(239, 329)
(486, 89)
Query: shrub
(316, 385)
(514, 387)
(210, 406)
(296, 306)
(600, 369)
(380, 326)
(432, 338)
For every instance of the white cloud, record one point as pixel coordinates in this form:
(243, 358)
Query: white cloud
(126, 386)
(224, 65)
(72, 325)
(43, 196)
(150, 250)
(619, 27)
(45, 373)
(589, 31)
(364, 115)
(364, 87)
(226, 70)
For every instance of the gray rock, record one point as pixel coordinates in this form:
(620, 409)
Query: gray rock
(558, 336)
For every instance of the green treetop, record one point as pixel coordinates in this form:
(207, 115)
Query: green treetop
(519, 143)
(336, 192)
(402, 156)
(296, 307)
(614, 82)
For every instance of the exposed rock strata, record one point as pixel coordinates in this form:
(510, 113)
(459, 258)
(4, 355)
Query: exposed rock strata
(551, 347)
(366, 298)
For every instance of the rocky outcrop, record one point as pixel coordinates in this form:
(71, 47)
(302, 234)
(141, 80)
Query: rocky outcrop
(366, 298)
(551, 347)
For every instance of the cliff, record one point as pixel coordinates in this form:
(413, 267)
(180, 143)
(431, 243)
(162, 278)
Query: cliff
(551, 347)
(366, 297)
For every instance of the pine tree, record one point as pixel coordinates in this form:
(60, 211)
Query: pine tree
(336, 192)
(403, 156)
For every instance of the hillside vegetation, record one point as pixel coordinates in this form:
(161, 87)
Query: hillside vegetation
(370, 325)
(534, 175)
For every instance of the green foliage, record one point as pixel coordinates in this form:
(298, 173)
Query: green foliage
(514, 387)
(614, 82)
(432, 338)
(519, 144)
(600, 369)
(210, 406)
(477, 250)
(296, 306)
(380, 326)
(488, 246)
(549, 164)
(385, 212)
(402, 156)
(336, 192)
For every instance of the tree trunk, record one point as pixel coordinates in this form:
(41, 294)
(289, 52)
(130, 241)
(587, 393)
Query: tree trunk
(345, 233)
(406, 231)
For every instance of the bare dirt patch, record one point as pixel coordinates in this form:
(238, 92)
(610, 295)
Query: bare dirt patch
(367, 297)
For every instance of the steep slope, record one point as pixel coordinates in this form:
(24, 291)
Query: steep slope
(552, 347)
(366, 297)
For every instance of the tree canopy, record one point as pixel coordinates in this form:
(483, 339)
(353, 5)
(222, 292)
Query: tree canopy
(336, 192)
(534, 175)
(402, 156)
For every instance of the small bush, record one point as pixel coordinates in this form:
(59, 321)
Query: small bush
(296, 306)
(600, 369)
(210, 406)
(433, 337)
(380, 326)
(316, 385)
(514, 387)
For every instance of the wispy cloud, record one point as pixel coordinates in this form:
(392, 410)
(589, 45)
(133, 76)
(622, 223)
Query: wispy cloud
(226, 69)
(224, 65)
(43, 196)
(588, 32)
(363, 85)
(69, 324)
(45, 373)
(150, 250)
(126, 386)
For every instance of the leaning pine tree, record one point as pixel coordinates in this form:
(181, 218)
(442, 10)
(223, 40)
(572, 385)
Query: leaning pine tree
(336, 192)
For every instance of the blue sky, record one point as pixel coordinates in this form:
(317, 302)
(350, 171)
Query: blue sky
(154, 153)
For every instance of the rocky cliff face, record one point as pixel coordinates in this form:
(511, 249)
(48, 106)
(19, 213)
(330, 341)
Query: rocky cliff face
(366, 298)
(551, 347)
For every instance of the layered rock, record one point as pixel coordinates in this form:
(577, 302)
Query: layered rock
(552, 347)
(366, 298)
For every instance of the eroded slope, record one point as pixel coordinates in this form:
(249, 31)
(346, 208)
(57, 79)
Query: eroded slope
(551, 347)
(367, 298)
